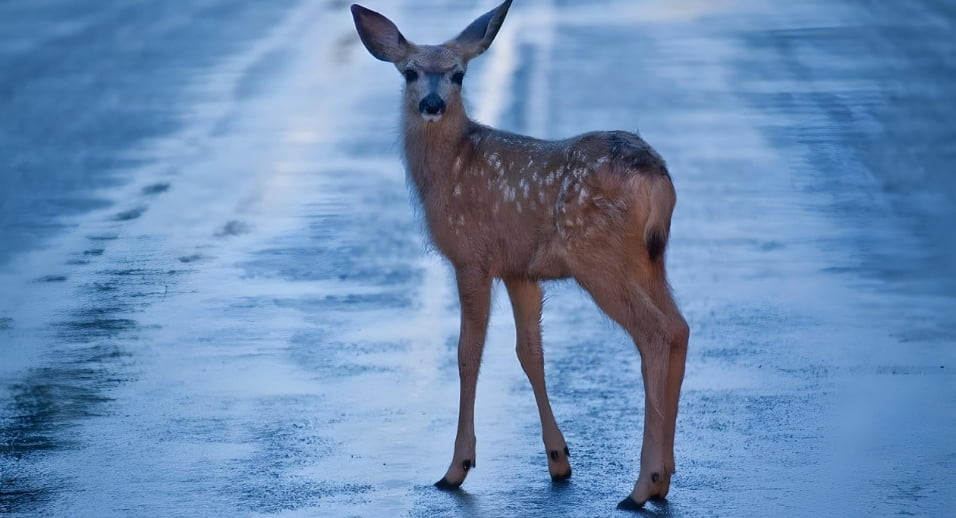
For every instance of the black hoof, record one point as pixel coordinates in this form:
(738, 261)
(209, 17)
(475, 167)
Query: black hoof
(628, 504)
(562, 477)
(445, 485)
(658, 499)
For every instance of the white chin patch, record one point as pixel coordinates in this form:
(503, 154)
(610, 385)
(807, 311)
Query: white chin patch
(431, 118)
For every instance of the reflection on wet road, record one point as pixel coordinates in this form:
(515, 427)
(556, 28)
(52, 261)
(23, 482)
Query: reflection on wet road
(216, 299)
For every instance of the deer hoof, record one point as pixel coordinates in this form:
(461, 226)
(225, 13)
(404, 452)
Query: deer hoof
(561, 477)
(628, 504)
(445, 485)
(558, 466)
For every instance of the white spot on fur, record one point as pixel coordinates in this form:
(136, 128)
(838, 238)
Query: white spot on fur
(494, 160)
(583, 195)
(566, 184)
(552, 177)
(457, 191)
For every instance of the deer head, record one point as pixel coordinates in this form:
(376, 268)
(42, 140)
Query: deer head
(433, 73)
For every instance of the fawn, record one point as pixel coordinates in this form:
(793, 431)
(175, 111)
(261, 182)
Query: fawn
(595, 208)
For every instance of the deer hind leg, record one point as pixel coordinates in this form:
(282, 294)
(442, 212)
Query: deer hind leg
(626, 297)
(680, 334)
(474, 292)
(526, 303)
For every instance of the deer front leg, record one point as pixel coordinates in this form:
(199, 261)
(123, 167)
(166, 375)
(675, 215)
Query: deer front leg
(526, 304)
(474, 292)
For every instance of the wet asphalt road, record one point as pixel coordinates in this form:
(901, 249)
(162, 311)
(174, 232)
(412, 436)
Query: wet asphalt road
(215, 299)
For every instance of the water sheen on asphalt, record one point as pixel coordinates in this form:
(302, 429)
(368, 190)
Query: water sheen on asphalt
(216, 300)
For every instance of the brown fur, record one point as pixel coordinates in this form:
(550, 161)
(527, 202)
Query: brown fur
(475, 220)
(596, 208)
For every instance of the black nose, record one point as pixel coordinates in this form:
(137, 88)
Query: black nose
(432, 105)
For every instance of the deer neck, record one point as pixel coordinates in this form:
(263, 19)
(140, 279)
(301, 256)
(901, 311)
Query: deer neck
(434, 150)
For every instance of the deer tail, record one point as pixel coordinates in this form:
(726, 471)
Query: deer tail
(662, 199)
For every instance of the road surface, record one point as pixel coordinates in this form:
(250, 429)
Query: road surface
(215, 299)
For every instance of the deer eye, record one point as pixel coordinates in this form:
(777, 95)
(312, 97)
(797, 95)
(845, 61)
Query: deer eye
(411, 75)
(458, 77)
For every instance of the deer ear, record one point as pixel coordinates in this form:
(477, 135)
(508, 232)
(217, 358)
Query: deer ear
(379, 35)
(478, 36)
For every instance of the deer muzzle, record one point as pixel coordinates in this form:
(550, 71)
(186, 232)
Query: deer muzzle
(432, 106)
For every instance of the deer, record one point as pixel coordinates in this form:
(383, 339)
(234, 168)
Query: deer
(595, 208)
